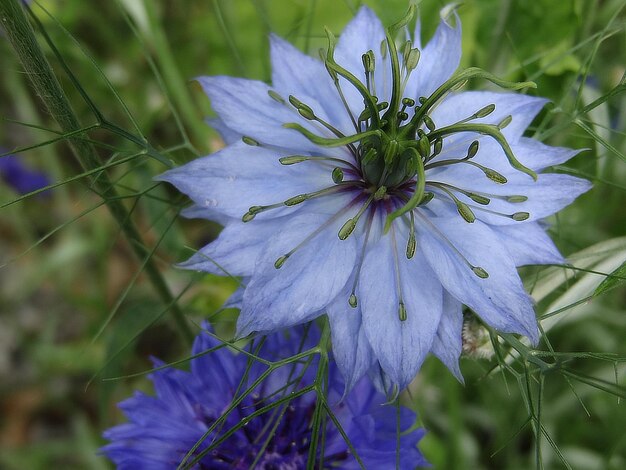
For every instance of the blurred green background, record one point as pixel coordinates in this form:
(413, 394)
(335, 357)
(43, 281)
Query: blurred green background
(77, 307)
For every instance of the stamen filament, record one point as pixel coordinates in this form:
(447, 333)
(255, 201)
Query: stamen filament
(293, 159)
(477, 270)
(281, 260)
(402, 315)
(352, 300)
(325, 142)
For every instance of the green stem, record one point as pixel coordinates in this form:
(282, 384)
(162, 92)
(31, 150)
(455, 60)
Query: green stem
(44, 81)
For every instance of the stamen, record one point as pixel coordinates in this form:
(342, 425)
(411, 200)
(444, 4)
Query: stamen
(293, 159)
(477, 270)
(462, 208)
(517, 216)
(337, 175)
(412, 242)
(402, 315)
(250, 141)
(298, 199)
(348, 227)
(281, 260)
(479, 198)
(352, 300)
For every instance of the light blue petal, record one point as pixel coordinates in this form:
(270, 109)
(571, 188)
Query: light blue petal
(306, 283)
(500, 300)
(399, 346)
(438, 59)
(522, 108)
(226, 133)
(448, 342)
(351, 349)
(529, 244)
(538, 156)
(235, 251)
(546, 196)
(247, 108)
(365, 32)
(239, 176)
(295, 73)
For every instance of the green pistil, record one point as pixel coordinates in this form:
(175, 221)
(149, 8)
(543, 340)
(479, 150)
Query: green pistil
(417, 196)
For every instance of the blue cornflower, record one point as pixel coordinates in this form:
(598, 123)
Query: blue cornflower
(366, 186)
(22, 179)
(163, 429)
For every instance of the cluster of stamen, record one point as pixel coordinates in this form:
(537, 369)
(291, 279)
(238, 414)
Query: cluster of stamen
(391, 152)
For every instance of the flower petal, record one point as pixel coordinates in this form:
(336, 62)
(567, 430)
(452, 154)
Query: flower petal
(546, 196)
(235, 250)
(236, 177)
(228, 135)
(351, 349)
(448, 343)
(306, 283)
(399, 346)
(438, 60)
(500, 300)
(249, 110)
(529, 244)
(295, 73)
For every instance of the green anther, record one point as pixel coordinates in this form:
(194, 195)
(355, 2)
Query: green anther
(255, 209)
(369, 61)
(480, 272)
(347, 228)
(248, 216)
(249, 141)
(370, 156)
(402, 311)
(494, 176)
(422, 99)
(305, 111)
(515, 199)
(484, 112)
(353, 301)
(380, 193)
(520, 216)
(292, 201)
(465, 212)
(337, 175)
(437, 147)
(402, 116)
(408, 102)
(280, 261)
(276, 97)
(428, 196)
(473, 149)
(383, 49)
(505, 122)
(423, 146)
(406, 48)
(292, 160)
(412, 59)
(410, 246)
(429, 123)
(479, 199)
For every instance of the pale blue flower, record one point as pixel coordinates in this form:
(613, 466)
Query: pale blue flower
(388, 216)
